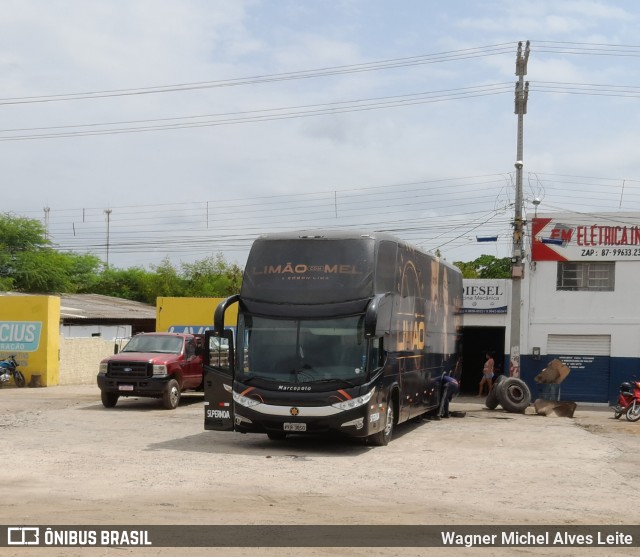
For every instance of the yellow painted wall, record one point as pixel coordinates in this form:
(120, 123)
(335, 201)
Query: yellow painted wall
(194, 314)
(29, 329)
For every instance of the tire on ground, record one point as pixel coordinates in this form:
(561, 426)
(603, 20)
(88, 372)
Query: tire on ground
(492, 398)
(514, 395)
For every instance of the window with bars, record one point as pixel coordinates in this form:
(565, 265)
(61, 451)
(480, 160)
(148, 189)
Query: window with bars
(587, 275)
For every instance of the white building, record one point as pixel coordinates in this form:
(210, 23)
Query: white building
(580, 301)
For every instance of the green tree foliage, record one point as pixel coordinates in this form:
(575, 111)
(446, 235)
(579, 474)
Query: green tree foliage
(28, 262)
(212, 276)
(486, 266)
(122, 283)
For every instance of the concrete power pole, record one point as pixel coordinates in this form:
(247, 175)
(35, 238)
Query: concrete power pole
(47, 210)
(517, 267)
(108, 213)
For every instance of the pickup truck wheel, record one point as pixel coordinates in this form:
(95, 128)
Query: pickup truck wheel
(109, 400)
(171, 395)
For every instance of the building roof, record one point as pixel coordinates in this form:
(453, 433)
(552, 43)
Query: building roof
(96, 306)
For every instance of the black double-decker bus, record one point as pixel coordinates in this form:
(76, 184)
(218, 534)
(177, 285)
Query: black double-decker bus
(337, 332)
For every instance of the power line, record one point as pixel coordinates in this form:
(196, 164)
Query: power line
(448, 56)
(264, 115)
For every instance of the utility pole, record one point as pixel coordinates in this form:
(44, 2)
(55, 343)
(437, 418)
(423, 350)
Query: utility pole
(46, 222)
(517, 256)
(108, 213)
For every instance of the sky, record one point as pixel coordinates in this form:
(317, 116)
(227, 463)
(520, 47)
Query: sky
(141, 130)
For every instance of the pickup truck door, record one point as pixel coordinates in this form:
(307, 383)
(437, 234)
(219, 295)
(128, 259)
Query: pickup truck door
(218, 381)
(192, 365)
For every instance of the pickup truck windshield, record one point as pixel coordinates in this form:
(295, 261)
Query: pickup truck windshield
(302, 350)
(163, 344)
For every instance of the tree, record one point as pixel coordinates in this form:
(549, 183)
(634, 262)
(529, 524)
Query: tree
(486, 266)
(123, 283)
(28, 262)
(212, 276)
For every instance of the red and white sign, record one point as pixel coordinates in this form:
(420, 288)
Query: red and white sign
(577, 237)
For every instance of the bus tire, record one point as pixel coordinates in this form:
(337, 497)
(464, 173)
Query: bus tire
(382, 438)
(514, 395)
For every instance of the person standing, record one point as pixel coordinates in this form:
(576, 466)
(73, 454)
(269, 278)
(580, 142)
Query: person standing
(487, 375)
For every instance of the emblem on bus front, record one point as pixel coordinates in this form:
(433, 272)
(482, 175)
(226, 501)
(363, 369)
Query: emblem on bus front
(294, 411)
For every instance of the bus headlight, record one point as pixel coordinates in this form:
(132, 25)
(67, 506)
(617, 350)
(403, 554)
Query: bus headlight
(245, 401)
(354, 402)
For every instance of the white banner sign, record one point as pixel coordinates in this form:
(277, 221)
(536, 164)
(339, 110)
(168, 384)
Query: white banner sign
(485, 296)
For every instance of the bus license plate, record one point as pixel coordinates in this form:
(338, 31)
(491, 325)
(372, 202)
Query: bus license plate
(294, 427)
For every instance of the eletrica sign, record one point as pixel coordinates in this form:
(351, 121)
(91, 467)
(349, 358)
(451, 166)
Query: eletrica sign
(579, 237)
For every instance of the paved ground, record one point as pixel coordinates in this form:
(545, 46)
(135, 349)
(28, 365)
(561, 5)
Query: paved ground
(67, 460)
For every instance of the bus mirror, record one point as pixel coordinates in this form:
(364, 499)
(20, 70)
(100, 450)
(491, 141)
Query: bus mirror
(218, 314)
(377, 319)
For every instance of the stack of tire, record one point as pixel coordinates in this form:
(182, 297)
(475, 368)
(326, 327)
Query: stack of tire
(511, 393)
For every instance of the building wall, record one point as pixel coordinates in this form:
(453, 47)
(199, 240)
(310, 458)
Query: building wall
(29, 330)
(586, 313)
(80, 357)
(193, 315)
(106, 332)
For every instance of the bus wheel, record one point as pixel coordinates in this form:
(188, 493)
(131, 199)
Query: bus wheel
(383, 436)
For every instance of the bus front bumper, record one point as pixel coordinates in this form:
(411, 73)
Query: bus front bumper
(357, 422)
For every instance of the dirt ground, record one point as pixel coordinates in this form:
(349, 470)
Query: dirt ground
(68, 460)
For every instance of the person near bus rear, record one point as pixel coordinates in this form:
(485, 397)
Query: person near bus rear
(450, 388)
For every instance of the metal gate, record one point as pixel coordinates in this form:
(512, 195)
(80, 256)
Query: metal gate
(588, 357)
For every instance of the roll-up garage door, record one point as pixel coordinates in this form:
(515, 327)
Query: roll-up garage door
(588, 358)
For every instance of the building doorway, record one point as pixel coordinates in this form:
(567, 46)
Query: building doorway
(476, 342)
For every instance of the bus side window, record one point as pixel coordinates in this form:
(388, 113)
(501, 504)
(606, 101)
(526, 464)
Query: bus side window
(376, 353)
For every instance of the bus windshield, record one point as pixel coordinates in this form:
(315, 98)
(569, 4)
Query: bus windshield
(302, 350)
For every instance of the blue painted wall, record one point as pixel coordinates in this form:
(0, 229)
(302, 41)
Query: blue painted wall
(598, 381)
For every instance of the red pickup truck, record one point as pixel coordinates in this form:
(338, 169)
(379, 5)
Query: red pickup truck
(160, 365)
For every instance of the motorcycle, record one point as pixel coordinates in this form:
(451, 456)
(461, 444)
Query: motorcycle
(9, 369)
(628, 401)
